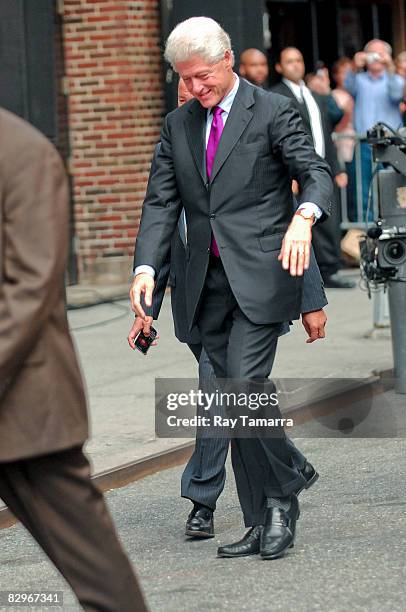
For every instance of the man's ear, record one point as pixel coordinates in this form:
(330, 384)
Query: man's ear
(278, 68)
(229, 58)
(242, 70)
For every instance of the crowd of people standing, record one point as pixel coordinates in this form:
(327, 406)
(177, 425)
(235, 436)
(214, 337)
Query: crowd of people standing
(340, 108)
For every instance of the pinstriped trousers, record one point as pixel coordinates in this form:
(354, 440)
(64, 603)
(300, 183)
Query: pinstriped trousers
(204, 476)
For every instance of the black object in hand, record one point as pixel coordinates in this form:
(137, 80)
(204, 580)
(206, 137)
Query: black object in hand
(143, 342)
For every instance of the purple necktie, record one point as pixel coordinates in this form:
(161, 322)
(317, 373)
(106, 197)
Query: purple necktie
(214, 139)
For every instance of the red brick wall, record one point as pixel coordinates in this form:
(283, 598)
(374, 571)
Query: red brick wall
(113, 69)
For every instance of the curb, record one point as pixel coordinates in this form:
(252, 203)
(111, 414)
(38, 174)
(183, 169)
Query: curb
(85, 296)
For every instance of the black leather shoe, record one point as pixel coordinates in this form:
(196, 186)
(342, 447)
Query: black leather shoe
(335, 281)
(200, 523)
(310, 475)
(279, 530)
(249, 545)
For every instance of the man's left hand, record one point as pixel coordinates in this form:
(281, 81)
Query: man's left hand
(314, 324)
(295, 252)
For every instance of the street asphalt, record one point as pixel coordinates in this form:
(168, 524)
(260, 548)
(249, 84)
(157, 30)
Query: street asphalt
(349, 552)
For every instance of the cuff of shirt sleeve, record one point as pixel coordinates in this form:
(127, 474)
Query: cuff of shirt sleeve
(144, 270)
(311, 208)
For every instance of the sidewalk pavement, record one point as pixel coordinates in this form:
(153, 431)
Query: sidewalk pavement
(120, 382)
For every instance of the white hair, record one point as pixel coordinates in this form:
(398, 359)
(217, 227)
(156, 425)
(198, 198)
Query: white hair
(200, 36)
(378, 40)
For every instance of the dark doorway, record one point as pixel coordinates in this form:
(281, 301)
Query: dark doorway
(31, 73)
(325, 30)
(290, 24)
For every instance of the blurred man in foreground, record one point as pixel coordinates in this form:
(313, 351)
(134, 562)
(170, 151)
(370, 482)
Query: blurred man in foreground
(44, 475)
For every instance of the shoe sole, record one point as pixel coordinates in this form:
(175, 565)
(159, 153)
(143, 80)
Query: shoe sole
(231, 556)
(279, 554)
(309, 483)
(199, 534)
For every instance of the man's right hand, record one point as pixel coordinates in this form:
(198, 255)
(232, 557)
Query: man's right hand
(360, 60)
(138, 326)
(142, 284)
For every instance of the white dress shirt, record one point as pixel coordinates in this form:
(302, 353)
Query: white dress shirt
(303, 94)
(225, 105)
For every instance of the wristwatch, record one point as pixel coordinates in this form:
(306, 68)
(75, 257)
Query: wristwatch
(306, 214)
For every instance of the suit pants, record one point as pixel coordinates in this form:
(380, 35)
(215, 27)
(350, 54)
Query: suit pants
(55, 499)
(204, 476)
(240, 350)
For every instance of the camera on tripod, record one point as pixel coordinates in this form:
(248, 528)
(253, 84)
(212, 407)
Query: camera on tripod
(383, 250)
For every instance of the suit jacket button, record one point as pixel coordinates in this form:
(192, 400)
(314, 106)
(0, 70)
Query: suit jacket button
(212, 216)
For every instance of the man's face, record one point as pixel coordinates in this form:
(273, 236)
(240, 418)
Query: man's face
(255, 68)
(209, 83)
(292, 65)
(183, 93)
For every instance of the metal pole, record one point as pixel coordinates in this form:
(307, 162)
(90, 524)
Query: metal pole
(375, 20)
(315, 31)
(397, 307)
(358, 181)
(380, 308)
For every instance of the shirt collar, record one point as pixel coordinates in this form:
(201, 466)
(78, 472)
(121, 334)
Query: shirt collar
(227, 102)
(294, 87)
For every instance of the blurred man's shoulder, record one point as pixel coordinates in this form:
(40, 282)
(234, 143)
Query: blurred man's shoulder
(272, 97)
(17, 132)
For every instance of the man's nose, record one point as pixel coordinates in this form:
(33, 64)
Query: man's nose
(197, 87)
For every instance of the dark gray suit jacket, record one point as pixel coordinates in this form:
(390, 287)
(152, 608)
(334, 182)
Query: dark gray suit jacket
(173, 273)
(247, 204)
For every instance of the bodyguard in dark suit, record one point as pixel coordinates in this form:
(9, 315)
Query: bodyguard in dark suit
(319, 115)
(229, 158)
(44, 475)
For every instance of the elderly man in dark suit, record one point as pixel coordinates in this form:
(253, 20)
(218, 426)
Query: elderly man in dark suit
(44, 475)
(229, 158)
(204, 476)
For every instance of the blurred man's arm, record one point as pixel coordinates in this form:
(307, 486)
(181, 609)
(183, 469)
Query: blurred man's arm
(350, 83)
(396, 87)
(35, 242)
(335, 113)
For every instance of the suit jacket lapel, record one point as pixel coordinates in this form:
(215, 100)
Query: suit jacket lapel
(301, 106)
(195, 124)
(237, 121)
